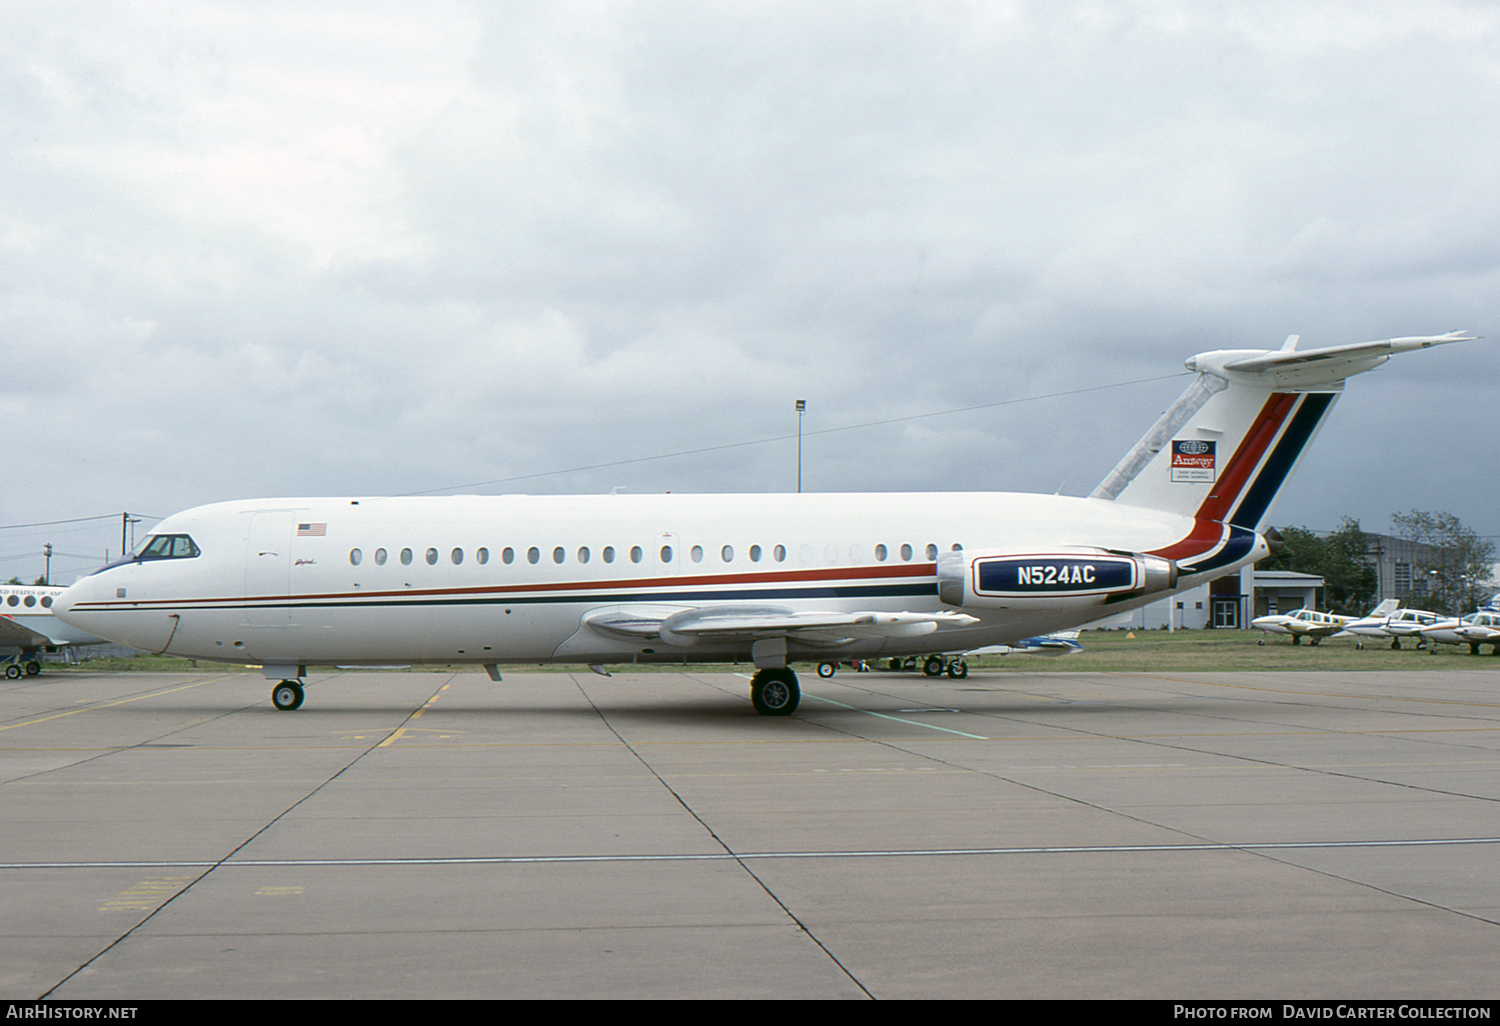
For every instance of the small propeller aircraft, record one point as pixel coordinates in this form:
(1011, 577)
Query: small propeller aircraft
(1313, 625)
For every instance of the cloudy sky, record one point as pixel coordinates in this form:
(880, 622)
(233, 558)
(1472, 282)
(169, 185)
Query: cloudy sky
(311, 248)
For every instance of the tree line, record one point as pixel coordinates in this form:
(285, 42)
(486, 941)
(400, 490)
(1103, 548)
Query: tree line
(1450, 573)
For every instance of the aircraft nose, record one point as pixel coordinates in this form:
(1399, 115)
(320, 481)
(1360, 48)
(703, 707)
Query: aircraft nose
(64, 606)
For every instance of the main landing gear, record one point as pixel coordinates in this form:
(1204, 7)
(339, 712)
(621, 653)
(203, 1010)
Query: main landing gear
(287, 695)
(933, 666)
(774, 692)
(936, 666)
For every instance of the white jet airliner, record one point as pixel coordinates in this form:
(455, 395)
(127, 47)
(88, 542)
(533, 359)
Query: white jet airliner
(775, 579)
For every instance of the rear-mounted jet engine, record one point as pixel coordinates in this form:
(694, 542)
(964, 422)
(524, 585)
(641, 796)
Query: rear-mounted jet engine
(1081, 577)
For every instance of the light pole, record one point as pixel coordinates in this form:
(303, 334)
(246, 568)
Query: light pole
(801, 409)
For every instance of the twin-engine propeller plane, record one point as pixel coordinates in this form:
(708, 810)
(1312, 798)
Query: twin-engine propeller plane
(1309, 623)
(775, 579)
(1481, 627)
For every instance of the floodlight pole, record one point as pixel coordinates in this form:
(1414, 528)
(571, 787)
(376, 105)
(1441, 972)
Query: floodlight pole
(801, 409)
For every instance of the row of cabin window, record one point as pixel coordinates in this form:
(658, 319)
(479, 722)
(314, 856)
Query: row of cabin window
(30, 600)
(560, 555)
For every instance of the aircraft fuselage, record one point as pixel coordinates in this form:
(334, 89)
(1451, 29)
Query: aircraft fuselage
(508, 579)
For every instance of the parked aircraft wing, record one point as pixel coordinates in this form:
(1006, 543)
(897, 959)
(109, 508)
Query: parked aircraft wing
(12, 633)
(723, 623)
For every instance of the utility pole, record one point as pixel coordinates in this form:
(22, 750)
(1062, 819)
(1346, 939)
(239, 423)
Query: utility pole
(126, 520)
(801, 409)
(47, 551)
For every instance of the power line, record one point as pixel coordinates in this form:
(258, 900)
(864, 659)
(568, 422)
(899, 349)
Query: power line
(783, 438)
(74, 520)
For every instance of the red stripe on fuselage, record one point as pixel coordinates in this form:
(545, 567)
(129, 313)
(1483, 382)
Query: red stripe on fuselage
(498, 591)
(1205, 536)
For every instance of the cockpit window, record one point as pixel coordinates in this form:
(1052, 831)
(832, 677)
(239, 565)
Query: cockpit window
(168, 546)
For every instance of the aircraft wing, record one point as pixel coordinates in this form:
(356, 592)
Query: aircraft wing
(725, 623)
(13, 633)
(1316, 630)
(1053, 644)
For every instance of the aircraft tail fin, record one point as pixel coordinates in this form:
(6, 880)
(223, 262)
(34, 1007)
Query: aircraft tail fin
(1222, 451)
(1386, 608)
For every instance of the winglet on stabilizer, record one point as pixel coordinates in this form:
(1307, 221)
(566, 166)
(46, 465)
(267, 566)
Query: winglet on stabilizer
(1289, 368)
(1222, 451)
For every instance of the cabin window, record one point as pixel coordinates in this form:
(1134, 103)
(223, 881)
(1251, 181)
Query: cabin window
(666, 553)
(380, 557)
(13, 601)
(356, 557)
(30, 601)
(559, 554)
(533, 555)
(906, 553)
(508, 555)
(636, 554)
(432, 557)
(168, 546)
(780, 553)
(755, 553)
(46, 601)
(727, 553)
(609, 553)
(482, 555)
(880, 553)
(931, 551)
(697, 553)
(457, 555)
(406, 557)
(583, 554)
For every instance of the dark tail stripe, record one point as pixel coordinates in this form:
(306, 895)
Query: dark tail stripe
(1262, 490)
(1237, 472)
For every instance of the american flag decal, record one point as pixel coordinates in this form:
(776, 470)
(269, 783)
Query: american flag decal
(311, 530)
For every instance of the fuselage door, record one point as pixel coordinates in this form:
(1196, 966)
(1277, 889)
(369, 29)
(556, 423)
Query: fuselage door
(268, 562)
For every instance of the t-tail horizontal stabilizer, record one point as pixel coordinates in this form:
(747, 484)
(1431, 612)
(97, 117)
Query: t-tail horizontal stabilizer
(1221, 452)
